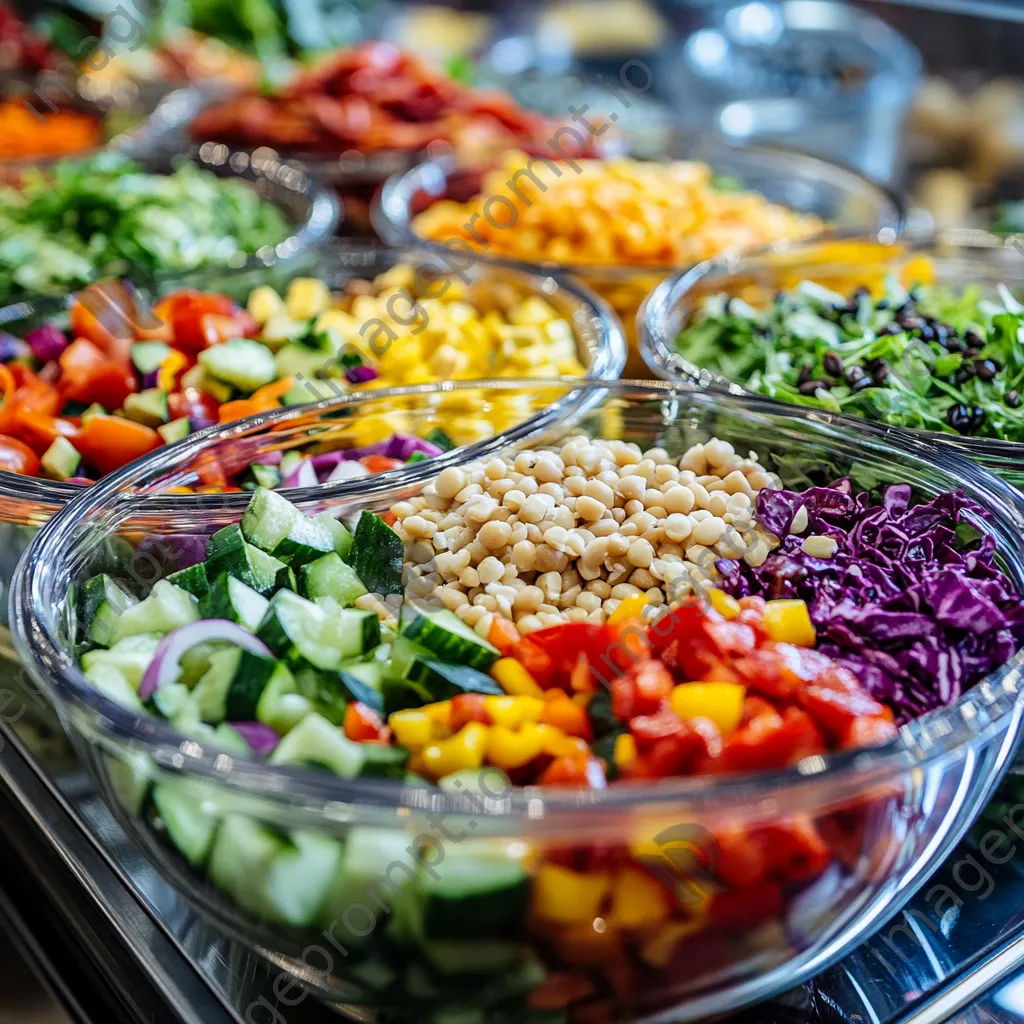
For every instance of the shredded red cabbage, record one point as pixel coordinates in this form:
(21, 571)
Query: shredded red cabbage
(918, 616)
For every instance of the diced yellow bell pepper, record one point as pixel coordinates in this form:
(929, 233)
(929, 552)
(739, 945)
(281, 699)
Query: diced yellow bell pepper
(721, 702)
(339, 325)
(412, 728)
(789, 622)
(557, 744)
(510, 675)
(440, 713)
(631, 608)
(512, 712)
(263, 303)
(638, 901)
(167, 373)
(725, 604)
(658, 951)
(509, 749)
(463, 750)
(625, 750)
(307, 297)
(569, 897)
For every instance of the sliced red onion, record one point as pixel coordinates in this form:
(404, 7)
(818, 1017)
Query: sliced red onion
(269, 459)
(261, 738)
(46, 341)
(401, 446)
(165, 666)
(347, 471)
(361, 374)
(303, 475)
(12, 347)
(197, 423)
(150, 379)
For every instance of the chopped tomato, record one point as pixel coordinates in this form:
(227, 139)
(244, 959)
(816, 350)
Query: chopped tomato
(380, 463)
(363, 725)
(834, 711)
(199, 319)
(194, 404)
(109, 442)
(466, 708)
(17, 457)
(767, 742)
(88, 375)
(105, 315)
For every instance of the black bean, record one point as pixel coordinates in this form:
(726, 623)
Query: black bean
(880, 374)
(1012, 399)
(874, 364)
(974, 339)
(810, 386)
(910, 323)
(891, 328)
(927, 332)
(864, 382)
(941, 333)
(804, 376)
(954, 344)
(977, 417)
(852, 374)
(986, 369)
(964, 374)
(833, 364)
(959, 417)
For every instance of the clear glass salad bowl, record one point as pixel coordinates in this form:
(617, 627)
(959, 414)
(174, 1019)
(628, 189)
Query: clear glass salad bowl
(888, 816)
(27, 502)
(791, 177)
(956, 259)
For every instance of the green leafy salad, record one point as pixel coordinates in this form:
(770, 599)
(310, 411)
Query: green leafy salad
(929, 357)
(62, 229)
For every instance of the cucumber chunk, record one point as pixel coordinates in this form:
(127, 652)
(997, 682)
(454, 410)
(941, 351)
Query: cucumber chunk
(193, 579)
(176, 430)
(131, 656)
(376, 555)
(148, 355)
(338, 531)
(230, 598)
(112, 684)
(189, 827)
(244, 364)
(228, 552)
(299, 879)
(166, 608)
(171, 701)
(275, 525)
(329, 576)
(444, 634)
(444, 681)
(61, 460)
(147, 407)
(314, 741)
(101, 601)
(243, 852)
(281, 706)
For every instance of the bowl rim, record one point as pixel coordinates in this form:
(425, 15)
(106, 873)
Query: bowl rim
(610, 357)
(990, 707)
(982, 247)
(390, 217)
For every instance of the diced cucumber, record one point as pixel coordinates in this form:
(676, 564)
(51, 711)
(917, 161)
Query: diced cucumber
(131, 656)
(325, 693)
(113, 684)
(417, 457)
(299, 879)
(275, 525)
(243, 852)
(381, 761)
(293, 628)
(193, 579)
(352, 631)
(376, 555)
(482, 892)
(93, 410)
(252, 675)
(176, 430)
(166, 608)
(211, 692)
(403, 652)
(477, 956)
(377, 860)
(230, 598)
(289, 461)
(148, 407)
(188, 825)
(444, 634)
(198, 378)
(258, 475)
(170, 701)
(294, 359)
(338, 531)
(281, 706)
(444, 681)
(228, 738)
(364, 683)
(281, 328)
(129, 774)
(314, 741)
(227, 551)
(285, 579)
(246, 365)
(329, 576)
(148, 355)
(100, 602)
(61, 460)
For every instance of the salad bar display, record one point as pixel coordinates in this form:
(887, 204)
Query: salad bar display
(592, 615)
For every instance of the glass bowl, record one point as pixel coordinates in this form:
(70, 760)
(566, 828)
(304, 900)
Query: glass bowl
(27, 502)
(887, 816)
(798, 180)
(956, 258)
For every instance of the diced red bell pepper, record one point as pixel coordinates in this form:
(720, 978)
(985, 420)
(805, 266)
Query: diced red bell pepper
(792, 850)
(363, 725)
(835, 711)
(109, 442)
(766, 742)
(194, 404)
(739, 909)
(641, 690)
(700, 643)
(466, 708)
(88, 375)
(187, 313)
(550, 655)
(17, 457)
(867, 732)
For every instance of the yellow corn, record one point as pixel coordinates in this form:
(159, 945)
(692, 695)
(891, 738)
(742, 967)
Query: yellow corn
(263, 303)
(440, 713)
(307, 297)
(789, 621)
(172, 363)
(510, 675)
(658, 951)
(339, 325)
(721, 702)
(413, 728)
(569, 897)
(625, 750)
(726, 605)
(631, 607)
(509, 749)
(512, 712)
(463, 750)
(638, 901)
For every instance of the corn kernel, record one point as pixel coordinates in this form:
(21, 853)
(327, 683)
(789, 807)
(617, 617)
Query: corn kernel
(721, 702)
(263, 303)
(307, 297)
(569, 897)
(509, 749)
(338, 325)
(463, 750)
(789, 621)
(631, 608)
(725, 604)
(510, 675)
(512, 712)
(413, 728)
(625, 750)
(638, 901)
